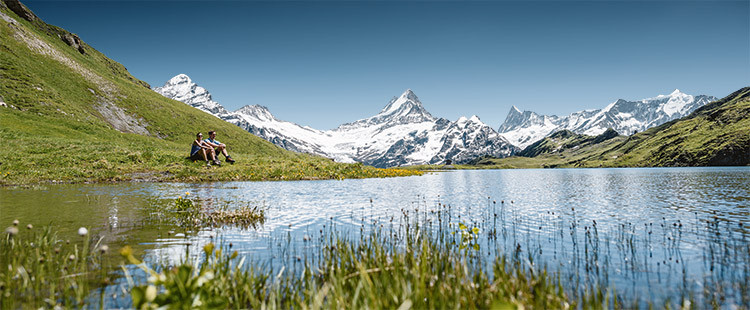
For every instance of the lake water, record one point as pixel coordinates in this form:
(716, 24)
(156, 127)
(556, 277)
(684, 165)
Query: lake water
(652, 233)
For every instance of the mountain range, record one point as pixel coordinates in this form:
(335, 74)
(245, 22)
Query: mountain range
(626, 117)
(405, 133)
(716, 134)
(402, 133)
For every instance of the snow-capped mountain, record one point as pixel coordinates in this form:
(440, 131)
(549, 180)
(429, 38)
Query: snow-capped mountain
(182, 88)
(403, 133)
(626, 117)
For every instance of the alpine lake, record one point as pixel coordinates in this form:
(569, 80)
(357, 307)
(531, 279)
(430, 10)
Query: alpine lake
(650, 234)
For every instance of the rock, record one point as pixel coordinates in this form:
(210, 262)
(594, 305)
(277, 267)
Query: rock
(73, 41)
(20, 9)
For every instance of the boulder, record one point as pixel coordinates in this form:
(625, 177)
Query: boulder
(73, 41)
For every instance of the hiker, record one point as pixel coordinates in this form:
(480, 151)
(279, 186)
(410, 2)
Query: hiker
(218, 147)
(201, 150)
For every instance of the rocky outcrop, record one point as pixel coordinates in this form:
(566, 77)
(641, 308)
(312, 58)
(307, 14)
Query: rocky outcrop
(73, 41)
(20, 10)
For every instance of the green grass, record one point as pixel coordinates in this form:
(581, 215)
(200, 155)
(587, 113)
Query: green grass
(54, 133)
(42, 271)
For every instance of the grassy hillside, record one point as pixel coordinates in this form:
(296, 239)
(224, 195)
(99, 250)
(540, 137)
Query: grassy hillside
(564, 140)
(717, 134)
(70, 114)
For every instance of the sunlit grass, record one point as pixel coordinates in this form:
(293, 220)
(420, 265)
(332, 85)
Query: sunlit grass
(39, 270)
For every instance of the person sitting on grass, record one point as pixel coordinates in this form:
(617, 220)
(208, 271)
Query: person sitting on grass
(218, 146)
(200, 150)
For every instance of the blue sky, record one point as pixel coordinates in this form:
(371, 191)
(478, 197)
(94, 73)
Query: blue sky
(326, 63)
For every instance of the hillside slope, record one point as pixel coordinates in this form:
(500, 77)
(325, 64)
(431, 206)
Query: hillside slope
(70, 114)
(564, 140)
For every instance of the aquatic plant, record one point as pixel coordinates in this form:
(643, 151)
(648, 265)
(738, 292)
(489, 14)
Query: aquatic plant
(40, 270)
(372, 274)
(188, 212)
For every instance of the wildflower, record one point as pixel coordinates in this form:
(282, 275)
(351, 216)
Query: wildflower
(15, 222)
(150, 293)
(72, 257)
(82, 231)
(208, 248)
(204, 278)
(29, 226)
(11, 230)
(103, 249)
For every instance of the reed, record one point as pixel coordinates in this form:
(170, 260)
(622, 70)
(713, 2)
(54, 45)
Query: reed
(42, 271)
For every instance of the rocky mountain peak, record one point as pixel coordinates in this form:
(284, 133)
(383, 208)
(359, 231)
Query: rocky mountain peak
(409, 95)
(179, 79)
(404, 109)
(182, 88)
(518, 118)
(407, 101)
(258, 111)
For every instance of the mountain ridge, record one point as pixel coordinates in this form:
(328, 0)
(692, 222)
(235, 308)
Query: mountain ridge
(626, 117)
(402, 133)
(716, 134)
